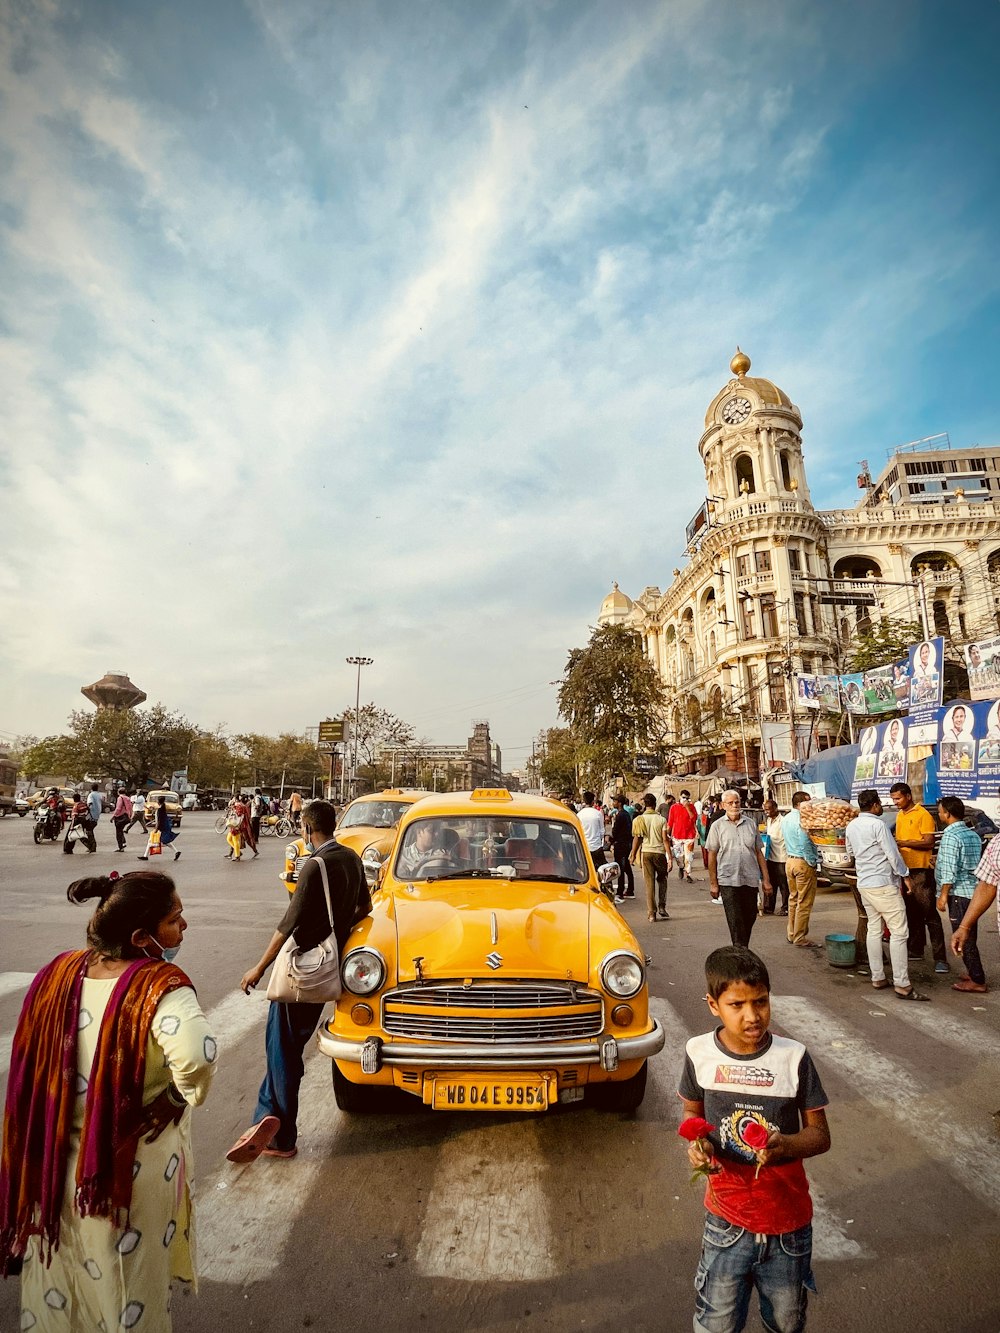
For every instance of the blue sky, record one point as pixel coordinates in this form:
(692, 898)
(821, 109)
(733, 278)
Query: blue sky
(334, 328)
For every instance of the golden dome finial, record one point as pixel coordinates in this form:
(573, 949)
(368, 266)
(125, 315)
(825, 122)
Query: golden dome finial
(740, 363)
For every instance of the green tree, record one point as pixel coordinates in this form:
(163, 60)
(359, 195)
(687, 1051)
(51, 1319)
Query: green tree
(885, 642)
(613, 698)
(215, 761)
(39, 758)
(137, 745)
(266, 760)
(375, 728)
(558, 766)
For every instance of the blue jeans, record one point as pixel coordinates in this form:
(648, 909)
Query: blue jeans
(289, 1027)
(734, 1261)
(957, 908)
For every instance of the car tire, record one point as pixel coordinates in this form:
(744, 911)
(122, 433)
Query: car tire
(355, 1099)
(624, 1096)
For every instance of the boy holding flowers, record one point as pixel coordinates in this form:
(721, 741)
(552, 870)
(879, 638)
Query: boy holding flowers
(765, 1102)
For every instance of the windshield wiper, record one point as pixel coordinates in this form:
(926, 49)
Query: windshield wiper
(461, 874)
(553, 879)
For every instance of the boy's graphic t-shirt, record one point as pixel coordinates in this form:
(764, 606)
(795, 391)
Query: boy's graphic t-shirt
(772, 1087)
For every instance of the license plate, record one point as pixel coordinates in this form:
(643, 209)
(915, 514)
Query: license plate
(471, 1093)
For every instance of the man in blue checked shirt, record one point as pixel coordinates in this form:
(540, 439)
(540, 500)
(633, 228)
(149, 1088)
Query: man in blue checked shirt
(956, 878)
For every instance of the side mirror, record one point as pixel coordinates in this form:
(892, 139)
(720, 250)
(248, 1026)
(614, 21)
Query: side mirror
(607, 875)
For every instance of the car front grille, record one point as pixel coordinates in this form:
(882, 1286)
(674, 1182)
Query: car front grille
(452, 1011)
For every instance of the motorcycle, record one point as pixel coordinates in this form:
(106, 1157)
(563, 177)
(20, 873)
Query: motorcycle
(48, 825)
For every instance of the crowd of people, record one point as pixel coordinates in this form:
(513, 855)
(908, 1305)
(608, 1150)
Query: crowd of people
(769, 866)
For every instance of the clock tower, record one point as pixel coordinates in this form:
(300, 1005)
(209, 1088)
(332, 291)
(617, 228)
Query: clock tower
(752, 445)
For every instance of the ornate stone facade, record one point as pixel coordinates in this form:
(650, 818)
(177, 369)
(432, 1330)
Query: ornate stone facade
(765, 590)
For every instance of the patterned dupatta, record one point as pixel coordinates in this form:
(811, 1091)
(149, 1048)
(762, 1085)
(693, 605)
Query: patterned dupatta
(42, 1091)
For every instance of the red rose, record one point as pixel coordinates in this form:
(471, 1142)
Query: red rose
(755, 1136)
(694, 1128)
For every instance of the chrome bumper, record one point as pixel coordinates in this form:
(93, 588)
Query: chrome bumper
(374, 1054)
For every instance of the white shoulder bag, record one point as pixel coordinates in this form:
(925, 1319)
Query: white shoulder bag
(308, 976)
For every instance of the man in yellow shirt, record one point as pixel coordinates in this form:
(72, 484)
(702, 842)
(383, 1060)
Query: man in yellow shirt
(915, 829)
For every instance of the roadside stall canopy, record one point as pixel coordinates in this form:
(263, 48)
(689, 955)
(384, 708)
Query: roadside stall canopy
(834, 767)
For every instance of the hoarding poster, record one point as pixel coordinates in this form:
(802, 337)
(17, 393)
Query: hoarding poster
(805, 690)
(982, 660)
(926, 686)
(883, 691)
(881, 759)
(853, 689)
(969, 753)
(828, 694)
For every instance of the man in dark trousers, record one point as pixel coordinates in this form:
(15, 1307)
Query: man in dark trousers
(289, 1026)
(621, 843)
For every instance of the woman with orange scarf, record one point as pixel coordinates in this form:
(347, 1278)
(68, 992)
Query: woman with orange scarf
(239, 833)
(111, 1050)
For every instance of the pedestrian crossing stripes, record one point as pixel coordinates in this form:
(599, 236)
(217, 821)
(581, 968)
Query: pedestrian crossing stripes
(941, 1129)
(488, 1176)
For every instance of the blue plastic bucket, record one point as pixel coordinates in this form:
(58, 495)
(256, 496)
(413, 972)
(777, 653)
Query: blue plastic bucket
(841, 950)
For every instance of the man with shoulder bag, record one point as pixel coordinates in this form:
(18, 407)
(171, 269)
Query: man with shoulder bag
(306, 927)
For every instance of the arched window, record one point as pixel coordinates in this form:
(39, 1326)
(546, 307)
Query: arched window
(993, 561)
(856, 567)
(693, 716)
(942, 625)
(936, 560)
(786, 469)
(669, 634)
(744, 473)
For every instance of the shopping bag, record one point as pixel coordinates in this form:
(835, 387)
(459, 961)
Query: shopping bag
(154, 848)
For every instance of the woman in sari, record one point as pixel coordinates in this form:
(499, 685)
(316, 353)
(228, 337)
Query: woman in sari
(239, 833)
(111, 1050)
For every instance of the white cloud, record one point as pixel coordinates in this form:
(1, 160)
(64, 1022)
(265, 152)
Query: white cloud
(402, 344)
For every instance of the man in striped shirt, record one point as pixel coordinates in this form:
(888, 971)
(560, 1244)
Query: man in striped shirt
(958, 857)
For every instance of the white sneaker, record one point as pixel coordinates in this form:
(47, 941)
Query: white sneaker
(618, 899)
(718, 902)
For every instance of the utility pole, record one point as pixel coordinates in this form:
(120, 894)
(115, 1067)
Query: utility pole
(358, 662)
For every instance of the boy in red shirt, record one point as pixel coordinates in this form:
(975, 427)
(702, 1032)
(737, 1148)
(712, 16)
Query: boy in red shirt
(758, 1226)
(683, 829)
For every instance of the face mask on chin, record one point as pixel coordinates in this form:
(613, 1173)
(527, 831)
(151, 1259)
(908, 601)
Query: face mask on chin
(165, 955)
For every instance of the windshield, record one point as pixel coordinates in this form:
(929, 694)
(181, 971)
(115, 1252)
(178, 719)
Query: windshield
(450, 848)
(373, 814)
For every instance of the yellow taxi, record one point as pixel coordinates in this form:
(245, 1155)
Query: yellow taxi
(368, 826)
(171, 802)
(493, 973)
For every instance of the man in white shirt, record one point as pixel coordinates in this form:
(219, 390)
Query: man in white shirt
(138, 812)
(592, 820)
(881, 869)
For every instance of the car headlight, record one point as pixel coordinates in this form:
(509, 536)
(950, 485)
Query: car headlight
(292, 852)
(622, 975)
(363, 971)
(371, 856)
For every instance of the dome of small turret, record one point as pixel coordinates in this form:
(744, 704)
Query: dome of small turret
(615, 607)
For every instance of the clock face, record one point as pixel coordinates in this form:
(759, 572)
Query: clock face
(735, 410)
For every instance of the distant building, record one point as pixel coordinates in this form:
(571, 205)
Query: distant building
(451, 767)
(773, 586)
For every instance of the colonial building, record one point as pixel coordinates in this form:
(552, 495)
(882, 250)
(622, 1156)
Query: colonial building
(773, 586)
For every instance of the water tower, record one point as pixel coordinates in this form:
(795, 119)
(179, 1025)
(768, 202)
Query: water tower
(115, 691)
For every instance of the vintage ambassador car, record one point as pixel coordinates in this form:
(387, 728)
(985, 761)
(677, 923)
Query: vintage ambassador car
(368, 826)
(493, 973)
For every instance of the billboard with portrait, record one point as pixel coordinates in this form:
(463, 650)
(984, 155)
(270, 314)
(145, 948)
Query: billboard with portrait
(881, 757)
(982, 661)
(926, 690)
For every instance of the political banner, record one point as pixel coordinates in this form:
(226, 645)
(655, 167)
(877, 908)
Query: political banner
(828, 694)
(881, 759)
(879, 686)
(969, 749)
(982, 661)
(853, 691)
(805, 690)
(926, 686)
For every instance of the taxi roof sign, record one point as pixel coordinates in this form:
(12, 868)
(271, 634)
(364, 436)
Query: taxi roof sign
(491, 794)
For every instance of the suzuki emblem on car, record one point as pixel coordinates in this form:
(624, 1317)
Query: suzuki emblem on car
(494, 960)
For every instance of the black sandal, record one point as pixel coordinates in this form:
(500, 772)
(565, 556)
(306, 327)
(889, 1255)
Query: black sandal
(911, 994)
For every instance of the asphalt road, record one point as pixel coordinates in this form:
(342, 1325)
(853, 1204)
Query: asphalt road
(574, 1219)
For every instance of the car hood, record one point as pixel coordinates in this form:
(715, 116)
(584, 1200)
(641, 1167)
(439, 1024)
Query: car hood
(360, 836)
(542, 930)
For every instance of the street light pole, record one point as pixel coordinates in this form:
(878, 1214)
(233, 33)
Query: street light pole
(358, 662)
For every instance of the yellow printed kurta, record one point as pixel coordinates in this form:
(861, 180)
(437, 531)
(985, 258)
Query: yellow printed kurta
(102, 1277)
